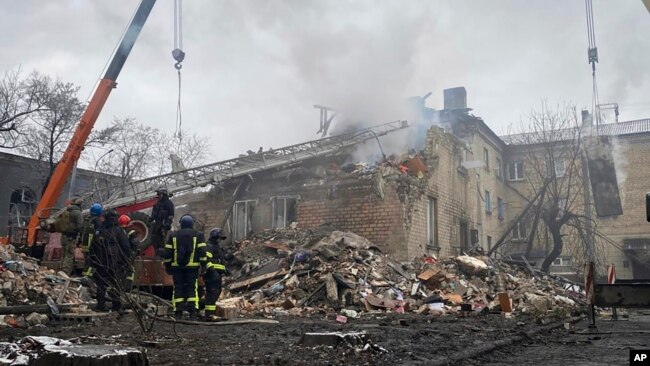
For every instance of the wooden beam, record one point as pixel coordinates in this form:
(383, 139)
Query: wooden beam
(256, 280)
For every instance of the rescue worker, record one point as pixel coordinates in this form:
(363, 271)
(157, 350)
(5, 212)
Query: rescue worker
(125, 222)
(184, 257)
(216, 269)
(109, 253)
(91, 227)
(162, 216)
(70, 236)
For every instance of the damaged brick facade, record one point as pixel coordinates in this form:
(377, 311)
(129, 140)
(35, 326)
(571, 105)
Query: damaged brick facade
(406, 215)
(468, 196)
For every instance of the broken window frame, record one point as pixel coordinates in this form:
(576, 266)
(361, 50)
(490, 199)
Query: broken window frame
(489, 242)
(519, 231)
(247, 221)
(283, 199)
(21, 210)
(432, 222)
(488, 202)
(518, 168)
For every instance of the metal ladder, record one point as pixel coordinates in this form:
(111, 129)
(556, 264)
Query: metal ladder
(216, 173)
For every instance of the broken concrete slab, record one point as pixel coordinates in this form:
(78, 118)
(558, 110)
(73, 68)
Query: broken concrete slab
(472, 265)
(36, 318)
(331, 288)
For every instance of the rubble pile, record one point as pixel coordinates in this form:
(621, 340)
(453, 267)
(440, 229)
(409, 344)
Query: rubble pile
(302, 272)
(24, 282)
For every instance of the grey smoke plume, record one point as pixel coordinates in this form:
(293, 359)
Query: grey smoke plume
(360, 62)
(619, 151)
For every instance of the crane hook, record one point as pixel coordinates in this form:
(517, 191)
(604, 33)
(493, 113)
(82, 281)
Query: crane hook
(179, 56)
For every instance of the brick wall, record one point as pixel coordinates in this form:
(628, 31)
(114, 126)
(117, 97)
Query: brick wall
(357, 208)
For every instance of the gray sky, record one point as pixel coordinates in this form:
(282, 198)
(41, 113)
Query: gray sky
(255, 68)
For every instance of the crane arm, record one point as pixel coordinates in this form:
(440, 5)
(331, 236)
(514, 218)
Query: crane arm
(75, 146)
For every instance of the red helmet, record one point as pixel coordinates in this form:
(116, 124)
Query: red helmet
(124, 221)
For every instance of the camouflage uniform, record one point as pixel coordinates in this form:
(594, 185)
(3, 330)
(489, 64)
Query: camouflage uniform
(70, 238)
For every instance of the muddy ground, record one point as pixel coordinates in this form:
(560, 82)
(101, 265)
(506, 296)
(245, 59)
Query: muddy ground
(609, 344)
(409, 339)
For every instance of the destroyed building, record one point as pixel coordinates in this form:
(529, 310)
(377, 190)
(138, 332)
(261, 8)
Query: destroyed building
(464, 188)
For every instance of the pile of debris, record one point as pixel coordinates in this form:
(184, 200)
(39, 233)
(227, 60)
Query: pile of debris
(27, 288)
(301, 272)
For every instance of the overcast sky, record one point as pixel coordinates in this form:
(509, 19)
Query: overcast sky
(254, 69)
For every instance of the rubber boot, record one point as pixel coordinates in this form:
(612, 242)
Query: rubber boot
(117, 307)
(101, 302)
(193, 313)
(178, 312)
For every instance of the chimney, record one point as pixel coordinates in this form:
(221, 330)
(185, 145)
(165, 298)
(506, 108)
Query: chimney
(455, 98)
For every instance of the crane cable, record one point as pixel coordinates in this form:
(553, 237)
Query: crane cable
(592, 54)
(179, 55)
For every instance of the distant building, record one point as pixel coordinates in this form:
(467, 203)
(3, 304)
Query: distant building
(21, 184)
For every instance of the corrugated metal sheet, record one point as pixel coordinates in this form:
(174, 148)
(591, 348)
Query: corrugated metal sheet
(609, 129)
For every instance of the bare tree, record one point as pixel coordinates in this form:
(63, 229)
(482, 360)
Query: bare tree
(140, 151)
(132, 156)
(50, 128)
(19, 98)
(550, 146)
(191, 150)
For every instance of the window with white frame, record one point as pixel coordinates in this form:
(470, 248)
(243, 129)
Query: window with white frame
(516, 171)
(243, 219)
(488, 202)
(284, 210)
(432, 222)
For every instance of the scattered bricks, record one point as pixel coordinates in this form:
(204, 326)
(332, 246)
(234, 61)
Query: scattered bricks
(505, 302)
(229, 308)
(427, 275)
(288, 304)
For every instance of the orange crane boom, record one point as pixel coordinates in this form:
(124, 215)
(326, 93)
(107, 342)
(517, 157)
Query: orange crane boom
(73, 151)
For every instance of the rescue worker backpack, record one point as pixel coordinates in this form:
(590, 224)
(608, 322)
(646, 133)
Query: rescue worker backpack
(62, 223)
